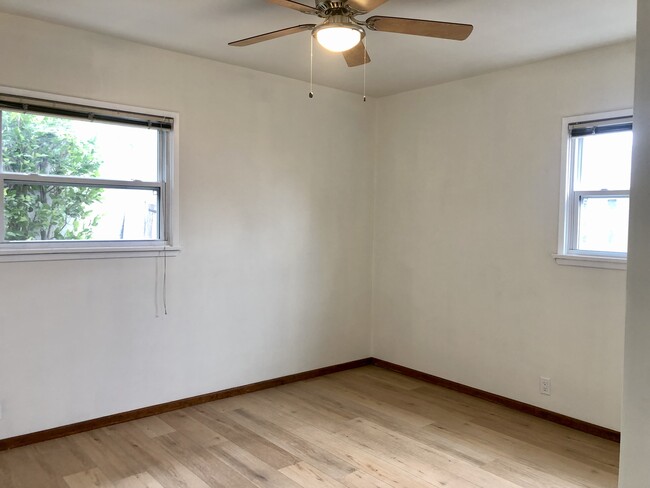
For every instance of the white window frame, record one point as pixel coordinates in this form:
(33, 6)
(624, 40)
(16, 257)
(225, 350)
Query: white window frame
(567, 253)
(167, 244)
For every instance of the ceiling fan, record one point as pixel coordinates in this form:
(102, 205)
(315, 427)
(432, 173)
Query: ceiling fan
(342, 32)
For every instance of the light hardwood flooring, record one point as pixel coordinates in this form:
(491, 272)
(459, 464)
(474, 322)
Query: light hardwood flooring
(361, 428)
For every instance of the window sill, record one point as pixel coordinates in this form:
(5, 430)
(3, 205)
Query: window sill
(602, 262)
(65, 254)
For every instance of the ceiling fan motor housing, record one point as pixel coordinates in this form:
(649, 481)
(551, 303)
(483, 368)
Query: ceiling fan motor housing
(340, 20)
(332, 8)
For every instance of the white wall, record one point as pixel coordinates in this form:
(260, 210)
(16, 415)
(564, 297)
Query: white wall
(635, 445)
(466, 221)
(274, 273)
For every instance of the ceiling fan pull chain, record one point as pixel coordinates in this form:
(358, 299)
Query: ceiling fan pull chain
(365, 63)
(311, 67)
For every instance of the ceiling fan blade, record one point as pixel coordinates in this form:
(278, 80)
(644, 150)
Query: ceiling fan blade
(417, 27)
(356, 56)
(272, 35)
(305, 9)
(365, 6)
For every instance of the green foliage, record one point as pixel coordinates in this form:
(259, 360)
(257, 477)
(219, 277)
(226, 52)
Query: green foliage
(33, 144)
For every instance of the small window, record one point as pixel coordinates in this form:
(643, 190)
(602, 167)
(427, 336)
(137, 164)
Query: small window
(596, 200)
(77, 176)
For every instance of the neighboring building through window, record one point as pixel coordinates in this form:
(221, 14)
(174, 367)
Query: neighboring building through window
(596, 196)
(77, 176)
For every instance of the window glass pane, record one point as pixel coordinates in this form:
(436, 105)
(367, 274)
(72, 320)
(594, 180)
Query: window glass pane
(603, 161)
(603, 224)
(56, 212)
(36, 144)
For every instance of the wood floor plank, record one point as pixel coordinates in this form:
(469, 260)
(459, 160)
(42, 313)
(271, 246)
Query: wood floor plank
(308, 476)
(98, 446)
(154, 426)
(255, 470)
(360, 428)
(245, 438)
(420, 458)
(597, 448)
(384, 468)
(87, 479)
(327, 393)
(20, 469)
(202, 462)
(527, 476)
(265, 424)
(547, 460)
(60, 457)
(361, 479)
(182, 421)
(528, 430)
(405, 400)
(142, 480)
(550, 459)
(317, 415)
(391, 377)
(149, 455)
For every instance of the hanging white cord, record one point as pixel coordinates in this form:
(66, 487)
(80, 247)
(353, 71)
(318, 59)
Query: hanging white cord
(165, 279)
(156, 288)
(311, 67)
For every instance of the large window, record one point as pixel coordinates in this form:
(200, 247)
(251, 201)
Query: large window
(82, 177)
(597, 187)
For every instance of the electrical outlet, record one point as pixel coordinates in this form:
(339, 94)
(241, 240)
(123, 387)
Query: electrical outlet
(544, 385)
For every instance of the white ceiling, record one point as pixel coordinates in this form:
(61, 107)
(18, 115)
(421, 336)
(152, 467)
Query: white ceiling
(506, 32)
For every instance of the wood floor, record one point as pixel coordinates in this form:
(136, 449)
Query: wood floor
(362, 428)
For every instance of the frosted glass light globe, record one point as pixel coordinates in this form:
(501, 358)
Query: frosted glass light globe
(338, 39)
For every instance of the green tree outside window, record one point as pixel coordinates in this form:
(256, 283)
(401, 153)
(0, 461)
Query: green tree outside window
(34, 144)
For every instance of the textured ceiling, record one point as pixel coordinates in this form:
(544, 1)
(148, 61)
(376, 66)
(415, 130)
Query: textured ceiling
(506, 33)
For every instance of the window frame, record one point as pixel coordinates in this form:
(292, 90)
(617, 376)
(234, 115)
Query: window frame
(567, 253)
(167, 243)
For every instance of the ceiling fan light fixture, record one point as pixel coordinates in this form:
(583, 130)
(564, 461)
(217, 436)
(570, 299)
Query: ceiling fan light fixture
(338, 37)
